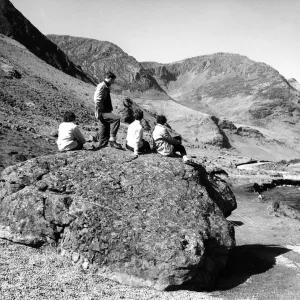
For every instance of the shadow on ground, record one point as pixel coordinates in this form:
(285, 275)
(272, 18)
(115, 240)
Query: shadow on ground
(243, 262)
(236, 223)
(248, 260)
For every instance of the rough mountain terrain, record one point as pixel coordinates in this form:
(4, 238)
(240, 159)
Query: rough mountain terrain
(265, 264)
(34, 96)
(229, 86)
(97, 57)
(13, 24)
(229, 101)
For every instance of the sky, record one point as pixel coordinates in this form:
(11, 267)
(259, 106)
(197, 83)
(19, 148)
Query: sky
(171, 30)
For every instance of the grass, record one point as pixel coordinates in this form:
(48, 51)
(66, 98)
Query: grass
(28, 274)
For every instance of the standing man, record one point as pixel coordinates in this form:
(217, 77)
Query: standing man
(108, 122)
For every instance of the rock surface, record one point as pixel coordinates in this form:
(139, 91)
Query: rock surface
(151, 222)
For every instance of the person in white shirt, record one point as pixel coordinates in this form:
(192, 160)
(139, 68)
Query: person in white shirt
(134, 139)
(69, 135)
(164, 143)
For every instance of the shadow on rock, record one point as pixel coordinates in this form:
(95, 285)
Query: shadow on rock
(246, 261)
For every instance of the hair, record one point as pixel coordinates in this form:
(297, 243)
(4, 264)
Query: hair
(69, 116)
(161, 119)
(110, 75)
(138, 114)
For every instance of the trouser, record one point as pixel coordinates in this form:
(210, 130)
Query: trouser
(180, 149)
(145, 148)
(108, 128)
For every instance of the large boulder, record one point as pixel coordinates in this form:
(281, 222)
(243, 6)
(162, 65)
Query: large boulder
(152, 221)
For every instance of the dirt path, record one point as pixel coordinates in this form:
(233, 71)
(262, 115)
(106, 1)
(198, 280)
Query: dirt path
(266, 262)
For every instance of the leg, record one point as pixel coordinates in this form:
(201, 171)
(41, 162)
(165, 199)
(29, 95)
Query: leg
(103, 133)
(180, 149)
(146, 147)
(129, 148)
(78, 147)
(114, 122)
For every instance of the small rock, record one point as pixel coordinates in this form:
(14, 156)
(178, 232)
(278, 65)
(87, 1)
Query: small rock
(75, 257)
(85, 265)
(54, 133)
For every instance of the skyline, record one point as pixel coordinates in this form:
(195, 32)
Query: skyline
(168, 31)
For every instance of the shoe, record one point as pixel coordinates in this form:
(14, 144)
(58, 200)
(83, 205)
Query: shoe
(115, 145)
(190, 163)
(187, 161)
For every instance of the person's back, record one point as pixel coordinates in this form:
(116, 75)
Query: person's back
(164, 143)
(135, 134)
(134, 138)
(69, 135)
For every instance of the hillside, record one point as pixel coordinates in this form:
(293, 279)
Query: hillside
(34, 96)
(97, 57)
(13, 24)
(229, 86)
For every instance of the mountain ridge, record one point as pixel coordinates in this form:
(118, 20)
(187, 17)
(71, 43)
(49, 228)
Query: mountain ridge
(13, 24)
(97, 57)
(203, 81)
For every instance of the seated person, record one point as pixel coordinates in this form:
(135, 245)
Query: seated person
(134, 139)
(164, 143)
(69, 135)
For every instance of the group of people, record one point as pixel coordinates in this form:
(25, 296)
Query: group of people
(70, 137)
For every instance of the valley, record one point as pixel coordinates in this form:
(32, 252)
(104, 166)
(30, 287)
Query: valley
(228, 109)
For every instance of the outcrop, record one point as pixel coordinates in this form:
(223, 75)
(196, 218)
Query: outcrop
(294, 83)
(13, 24)
(152, 221)
(97, 57)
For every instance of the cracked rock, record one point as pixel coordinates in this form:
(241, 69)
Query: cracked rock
(149, 222)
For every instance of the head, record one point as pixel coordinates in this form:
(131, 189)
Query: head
(110, 77)
(138, 115)
(69, 116)
(160, 119)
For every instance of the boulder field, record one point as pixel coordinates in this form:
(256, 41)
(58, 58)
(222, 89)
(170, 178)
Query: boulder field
(150, 221)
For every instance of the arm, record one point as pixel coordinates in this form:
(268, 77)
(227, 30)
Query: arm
(138, 138)
(78, 136)
(99, 97)
(167, 137)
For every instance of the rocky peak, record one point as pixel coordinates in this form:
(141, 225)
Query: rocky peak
(294, 83)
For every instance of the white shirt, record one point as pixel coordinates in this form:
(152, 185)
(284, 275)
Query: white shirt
(134, 137)
(68, 136)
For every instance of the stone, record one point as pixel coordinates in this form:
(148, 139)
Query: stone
(75, 257)
(54, 133)
(152, 221)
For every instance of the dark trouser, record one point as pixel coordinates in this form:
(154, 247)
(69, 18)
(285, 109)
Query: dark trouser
(108, 126)
(145, 148)
(78, 147)
(180, 149)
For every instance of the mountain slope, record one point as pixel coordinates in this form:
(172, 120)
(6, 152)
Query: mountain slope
(35, 95)
(98, 57)
(229, 86)
(13, 24)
